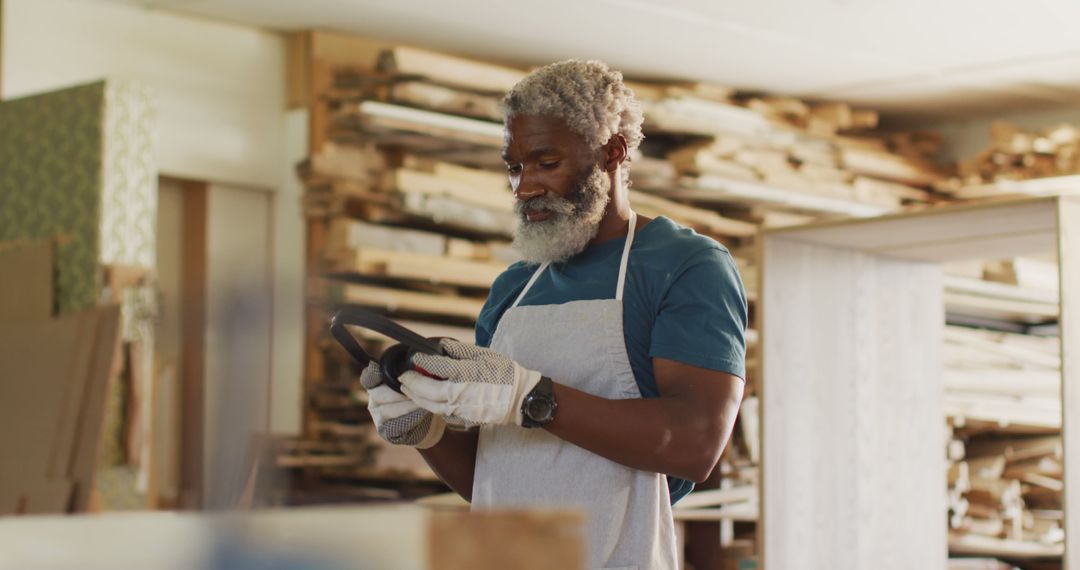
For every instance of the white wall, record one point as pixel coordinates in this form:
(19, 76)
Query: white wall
(221, 110)
(220, 88)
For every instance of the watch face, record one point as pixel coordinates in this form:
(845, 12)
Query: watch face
(539, 409)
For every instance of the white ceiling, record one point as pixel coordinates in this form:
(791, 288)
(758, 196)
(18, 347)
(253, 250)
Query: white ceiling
(932, 58)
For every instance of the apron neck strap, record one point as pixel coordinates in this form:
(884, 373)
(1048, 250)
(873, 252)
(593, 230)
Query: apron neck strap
(622, 266)
(626, 256)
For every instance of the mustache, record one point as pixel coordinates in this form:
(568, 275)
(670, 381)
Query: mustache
(551, 203)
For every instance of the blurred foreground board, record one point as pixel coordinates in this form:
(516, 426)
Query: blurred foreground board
(405, 537)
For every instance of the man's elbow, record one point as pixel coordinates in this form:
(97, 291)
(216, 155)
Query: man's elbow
(699, 463)
(700, 469)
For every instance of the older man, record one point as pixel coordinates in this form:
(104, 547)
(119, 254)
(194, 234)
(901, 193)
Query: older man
(609, 363)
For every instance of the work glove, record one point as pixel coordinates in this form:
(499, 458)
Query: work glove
(480, 386)
(397, 418)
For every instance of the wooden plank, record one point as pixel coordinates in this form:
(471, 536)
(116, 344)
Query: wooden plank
(496, 198)
(77, 388)
(26, 290)
(45, 364)
(718, 497)
(446, 100)
(99, 375)
(1068, 251)
(430, 124)
(698, 160)
(453, 213)
(406, 301)
(491, 181)
(867, 185)
(449, 70)
(354, 234)
(420, 267)
(700, 219)
(348, 162)
(716, 189)
(1005, 309)
(692, 115)
(839, 408)
(1014, 549)
(889, 166)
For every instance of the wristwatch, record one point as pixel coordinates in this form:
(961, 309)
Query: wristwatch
(538, 408)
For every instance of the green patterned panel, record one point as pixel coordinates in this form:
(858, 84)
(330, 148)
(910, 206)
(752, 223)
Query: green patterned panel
(51, 154)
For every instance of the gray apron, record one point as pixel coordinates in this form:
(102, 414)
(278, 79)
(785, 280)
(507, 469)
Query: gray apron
(579, 344)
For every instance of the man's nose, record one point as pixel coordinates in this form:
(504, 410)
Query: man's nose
(528, 189)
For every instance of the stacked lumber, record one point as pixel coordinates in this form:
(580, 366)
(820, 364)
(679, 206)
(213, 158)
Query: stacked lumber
(783, 154)
(1003, 408)
(1005, 496)
(410, 214)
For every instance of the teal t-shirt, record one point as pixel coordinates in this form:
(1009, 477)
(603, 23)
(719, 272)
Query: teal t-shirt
(683, 300)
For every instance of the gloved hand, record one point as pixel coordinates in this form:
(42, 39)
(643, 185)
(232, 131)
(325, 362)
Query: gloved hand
(481, 386)
(397, 418)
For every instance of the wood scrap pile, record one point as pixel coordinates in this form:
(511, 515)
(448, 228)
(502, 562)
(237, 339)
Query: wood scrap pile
(1019, 163)
(1017, 154)
(1005, 495)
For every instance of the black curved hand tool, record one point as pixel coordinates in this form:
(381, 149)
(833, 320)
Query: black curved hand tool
(396, 358)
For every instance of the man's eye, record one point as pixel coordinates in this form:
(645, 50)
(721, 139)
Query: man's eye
(549, 164)
(513, 169)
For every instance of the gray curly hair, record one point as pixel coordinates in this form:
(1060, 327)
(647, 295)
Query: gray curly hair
(588, 95)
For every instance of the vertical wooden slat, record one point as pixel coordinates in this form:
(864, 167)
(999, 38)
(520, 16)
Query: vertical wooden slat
(193, 339)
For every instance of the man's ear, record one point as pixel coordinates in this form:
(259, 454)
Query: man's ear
(615, 152)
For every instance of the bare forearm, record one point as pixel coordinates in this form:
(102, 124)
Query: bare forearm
(453, 459)
(665, 435)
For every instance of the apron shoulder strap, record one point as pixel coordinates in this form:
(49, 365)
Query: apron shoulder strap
(626, 256)
(532, 280)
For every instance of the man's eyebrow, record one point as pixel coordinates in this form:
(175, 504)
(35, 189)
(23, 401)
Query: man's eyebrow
(533, 153)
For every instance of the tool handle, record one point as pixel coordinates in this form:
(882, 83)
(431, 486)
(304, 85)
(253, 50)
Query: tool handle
(396, 359)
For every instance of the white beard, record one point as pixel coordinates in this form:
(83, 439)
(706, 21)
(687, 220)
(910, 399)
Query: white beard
(574, 224)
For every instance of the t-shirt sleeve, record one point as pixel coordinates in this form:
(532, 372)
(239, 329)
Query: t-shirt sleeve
(702, 315)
